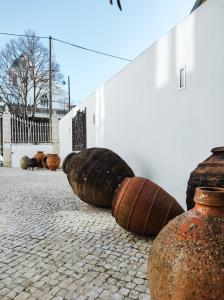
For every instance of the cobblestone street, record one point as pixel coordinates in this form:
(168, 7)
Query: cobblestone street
(53, 246)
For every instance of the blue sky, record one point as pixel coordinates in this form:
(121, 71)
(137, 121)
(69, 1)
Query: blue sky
(94, 24)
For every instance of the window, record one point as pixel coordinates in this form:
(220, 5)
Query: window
(182, 78)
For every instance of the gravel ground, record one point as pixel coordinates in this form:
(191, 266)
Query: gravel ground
(54, 246)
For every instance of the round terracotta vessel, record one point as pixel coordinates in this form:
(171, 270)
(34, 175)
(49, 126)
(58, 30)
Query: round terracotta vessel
(53, 161)
(44, 161)
(186, 260)
(208, 173)
(39, 155)
(95, 173)
(24, 162)
(143, 207)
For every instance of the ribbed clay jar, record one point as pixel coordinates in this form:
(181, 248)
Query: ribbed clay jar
(208, 173)
(53, 161)
(143, 207)
(95, 173)
(186, 260)
(39, 155)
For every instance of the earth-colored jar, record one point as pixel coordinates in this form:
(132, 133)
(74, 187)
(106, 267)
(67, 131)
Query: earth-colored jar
(143, 207)
(186, 260)
(53, 161)
(24, 162)
(39, 155)
(94, 174)
(44, 161)
(208, 173)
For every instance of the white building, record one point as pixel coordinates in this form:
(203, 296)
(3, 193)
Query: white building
(164, 111)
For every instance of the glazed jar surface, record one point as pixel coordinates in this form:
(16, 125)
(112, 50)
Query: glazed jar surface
(209, 173)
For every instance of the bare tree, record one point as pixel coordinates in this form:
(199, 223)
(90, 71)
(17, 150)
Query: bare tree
(24, 74)
(118, 3)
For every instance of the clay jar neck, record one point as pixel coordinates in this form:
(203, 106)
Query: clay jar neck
(210, 201)
(218, 150)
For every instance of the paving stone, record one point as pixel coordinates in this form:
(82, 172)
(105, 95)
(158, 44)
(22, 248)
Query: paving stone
(54, 246)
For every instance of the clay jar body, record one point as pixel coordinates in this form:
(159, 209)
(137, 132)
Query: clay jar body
(208, 173)
(95, 173)
(143, 207)
(24, 162)
(186, 260)
(53, 161)
(39, 155)
(44, 161)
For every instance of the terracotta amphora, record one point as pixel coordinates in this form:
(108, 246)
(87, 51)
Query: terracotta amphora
(39, 155)
(186, 260)
(53, 161)
(143, 207)
(95, 173)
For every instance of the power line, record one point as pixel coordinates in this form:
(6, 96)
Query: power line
(91, 50)
(24, 35)
(67, 43)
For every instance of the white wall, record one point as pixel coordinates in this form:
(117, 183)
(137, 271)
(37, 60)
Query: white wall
(163, 132)
(19, 150)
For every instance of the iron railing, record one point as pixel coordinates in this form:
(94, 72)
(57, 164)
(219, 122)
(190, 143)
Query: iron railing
(79, 131)
(26, 131)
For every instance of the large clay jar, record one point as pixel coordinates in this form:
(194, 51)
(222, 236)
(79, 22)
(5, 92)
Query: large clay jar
(44, 161)
(208, 173)
(39, 155)
(94, 174)
(186, 260)
(53, 161)
(24, 162)
(143, 207)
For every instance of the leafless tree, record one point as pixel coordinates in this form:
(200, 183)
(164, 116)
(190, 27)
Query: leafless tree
(118, 3)
(24, 74)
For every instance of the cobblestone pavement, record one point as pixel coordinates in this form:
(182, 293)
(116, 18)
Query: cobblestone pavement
(53, 246)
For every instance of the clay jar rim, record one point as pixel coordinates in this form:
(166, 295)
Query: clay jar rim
(210, 196)
(217, 150)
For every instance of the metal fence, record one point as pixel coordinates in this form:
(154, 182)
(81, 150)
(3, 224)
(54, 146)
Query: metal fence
(26, 131)
(79, 131)
(1, 134)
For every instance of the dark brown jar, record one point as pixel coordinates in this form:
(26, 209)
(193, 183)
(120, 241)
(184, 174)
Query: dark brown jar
(208, 173)
(186, 260)
(95, 173)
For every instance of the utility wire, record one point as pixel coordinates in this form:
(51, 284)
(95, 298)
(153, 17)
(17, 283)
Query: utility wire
(24, 35)
(67, 43)
(91, 50)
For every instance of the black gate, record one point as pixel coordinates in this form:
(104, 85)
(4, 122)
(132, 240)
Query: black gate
(1, 135)
(79, 131)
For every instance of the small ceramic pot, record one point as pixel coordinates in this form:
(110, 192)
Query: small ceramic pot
(53, 161)
(39, 155)
(24, 162)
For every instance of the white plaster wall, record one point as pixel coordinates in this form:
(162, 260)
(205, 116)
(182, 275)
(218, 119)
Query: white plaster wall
(65, 126)
(19, 150)
(163, 132)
